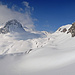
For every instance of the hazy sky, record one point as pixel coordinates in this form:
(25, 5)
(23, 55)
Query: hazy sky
(46, 15)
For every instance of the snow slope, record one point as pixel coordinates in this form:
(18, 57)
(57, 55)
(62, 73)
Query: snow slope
(14, 39)
(51, 55)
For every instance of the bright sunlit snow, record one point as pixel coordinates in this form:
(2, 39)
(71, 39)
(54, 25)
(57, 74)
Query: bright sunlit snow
(39, 53)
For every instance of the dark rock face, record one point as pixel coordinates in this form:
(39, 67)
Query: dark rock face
(3, 31)
(72, 29)
(64, 30)
(59, 29)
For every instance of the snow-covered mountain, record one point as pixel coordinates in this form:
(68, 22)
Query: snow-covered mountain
(36, 53)
(14, 38)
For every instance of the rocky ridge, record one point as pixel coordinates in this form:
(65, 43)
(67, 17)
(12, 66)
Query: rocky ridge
(72, 29)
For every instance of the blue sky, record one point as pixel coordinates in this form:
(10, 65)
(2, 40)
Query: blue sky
(50, 14)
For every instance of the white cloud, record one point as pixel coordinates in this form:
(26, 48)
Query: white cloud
(25, 18)
(26, 4)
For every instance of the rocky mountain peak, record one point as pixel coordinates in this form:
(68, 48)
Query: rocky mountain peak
(12, 26)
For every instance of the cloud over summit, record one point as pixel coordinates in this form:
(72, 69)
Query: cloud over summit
(25, 18)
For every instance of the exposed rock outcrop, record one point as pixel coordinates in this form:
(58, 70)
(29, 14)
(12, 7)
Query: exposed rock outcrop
(72, 29)
(64, 30)
(59, 29)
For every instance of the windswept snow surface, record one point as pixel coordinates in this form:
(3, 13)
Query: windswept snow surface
(52, 55)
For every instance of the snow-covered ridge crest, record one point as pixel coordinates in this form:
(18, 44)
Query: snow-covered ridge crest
(68, 29)
(64, 28)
